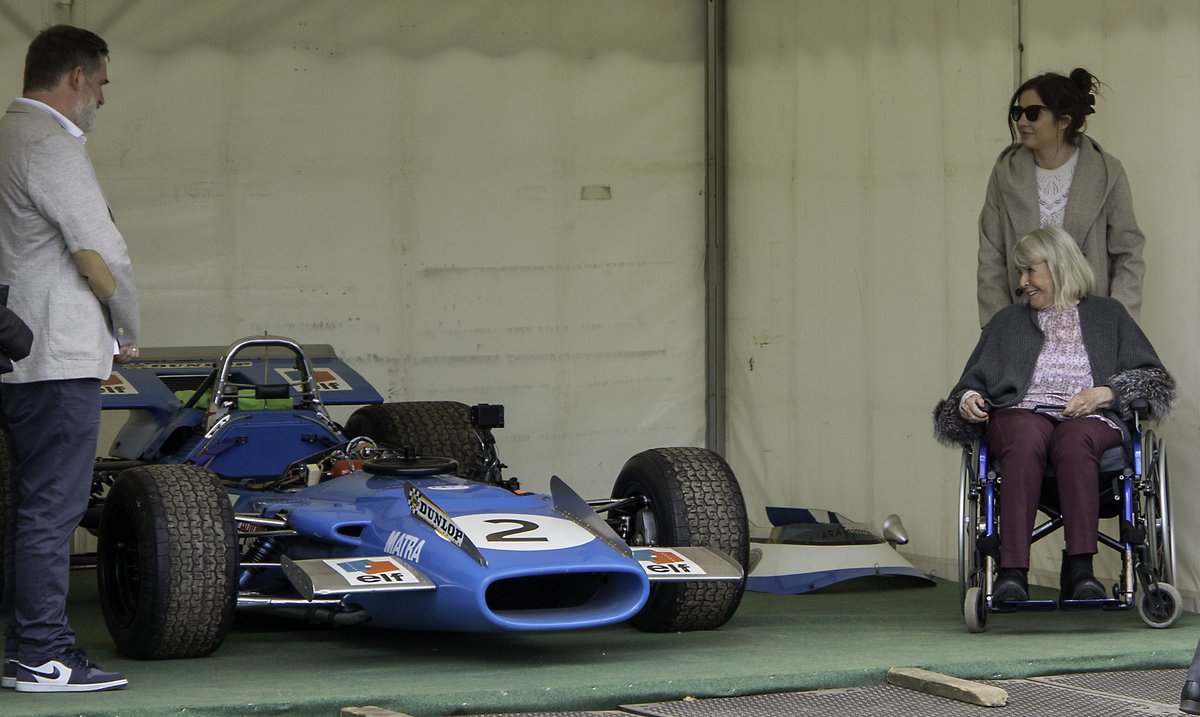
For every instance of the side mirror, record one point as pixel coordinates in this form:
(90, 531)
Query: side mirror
(894, 532)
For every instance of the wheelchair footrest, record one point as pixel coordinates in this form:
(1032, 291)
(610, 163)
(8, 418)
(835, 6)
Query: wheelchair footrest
(1024, 606)
(1106, 604)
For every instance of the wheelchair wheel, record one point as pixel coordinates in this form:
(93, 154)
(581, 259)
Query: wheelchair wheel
(968, 517)
(1160, 531)
(1160, 606)
(974, 611)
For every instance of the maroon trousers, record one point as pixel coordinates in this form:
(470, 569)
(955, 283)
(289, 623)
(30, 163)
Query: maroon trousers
(1025, 441)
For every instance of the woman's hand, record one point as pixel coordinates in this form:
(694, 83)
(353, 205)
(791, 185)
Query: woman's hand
(973, 408)
(1088, 401)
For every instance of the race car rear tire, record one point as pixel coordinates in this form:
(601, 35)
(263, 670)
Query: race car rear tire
(427, 428)
(167, 562)
(693, 499)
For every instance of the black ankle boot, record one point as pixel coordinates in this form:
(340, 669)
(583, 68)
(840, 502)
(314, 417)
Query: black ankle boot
(1189, 699)
(1012, 585)
(1084, 585)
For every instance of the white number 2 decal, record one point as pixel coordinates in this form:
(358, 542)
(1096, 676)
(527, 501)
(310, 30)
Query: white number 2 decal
(523, 526)
(514, 531)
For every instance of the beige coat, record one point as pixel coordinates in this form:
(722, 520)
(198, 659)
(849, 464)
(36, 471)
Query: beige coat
(1099, 215)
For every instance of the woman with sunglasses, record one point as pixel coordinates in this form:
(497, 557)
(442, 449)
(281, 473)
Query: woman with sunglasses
(1055, 175)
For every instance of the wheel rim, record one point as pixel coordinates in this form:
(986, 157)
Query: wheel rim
(1152, 523)
(122, 569)
(637, 526)
(1150, 509)
(967, 510)
(1160, 537)
(962, 528)
(1164, 517)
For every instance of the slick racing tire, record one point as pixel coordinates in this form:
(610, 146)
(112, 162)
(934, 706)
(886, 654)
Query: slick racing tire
(691, 498)
(428, 428)
(167, 562)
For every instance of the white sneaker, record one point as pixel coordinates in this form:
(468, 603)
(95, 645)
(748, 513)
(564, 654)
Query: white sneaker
(70, 672)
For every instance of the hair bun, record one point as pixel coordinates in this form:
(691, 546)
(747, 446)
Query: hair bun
(1088, 85)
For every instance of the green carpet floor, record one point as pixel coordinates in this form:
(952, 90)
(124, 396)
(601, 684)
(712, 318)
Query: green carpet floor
(841, 637)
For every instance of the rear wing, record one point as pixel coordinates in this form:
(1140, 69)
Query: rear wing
(151, 381)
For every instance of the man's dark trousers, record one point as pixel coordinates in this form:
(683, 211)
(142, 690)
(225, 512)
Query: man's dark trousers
(53, 428)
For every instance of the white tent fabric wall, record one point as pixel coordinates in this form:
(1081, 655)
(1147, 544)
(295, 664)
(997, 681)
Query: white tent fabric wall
(476, 201)
(855, 181)
(861, 138)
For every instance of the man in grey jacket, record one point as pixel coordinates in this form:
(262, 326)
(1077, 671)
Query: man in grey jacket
(71, 281)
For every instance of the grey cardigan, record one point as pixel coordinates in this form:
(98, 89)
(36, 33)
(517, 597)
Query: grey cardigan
(1001, 366)
(1099, 215)
(55, 227)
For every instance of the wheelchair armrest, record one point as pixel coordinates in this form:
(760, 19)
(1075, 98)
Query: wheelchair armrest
(1140, 408)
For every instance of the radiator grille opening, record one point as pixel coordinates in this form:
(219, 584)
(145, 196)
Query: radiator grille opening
(545, 592)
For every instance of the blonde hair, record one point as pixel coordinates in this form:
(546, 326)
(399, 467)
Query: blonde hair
(1073, 278)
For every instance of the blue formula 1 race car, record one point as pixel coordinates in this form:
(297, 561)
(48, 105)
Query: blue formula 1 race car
(230, 486)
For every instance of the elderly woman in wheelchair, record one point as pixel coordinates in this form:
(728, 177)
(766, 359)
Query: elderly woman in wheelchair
(1048, 391)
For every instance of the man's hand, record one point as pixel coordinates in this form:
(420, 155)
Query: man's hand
(128, 352)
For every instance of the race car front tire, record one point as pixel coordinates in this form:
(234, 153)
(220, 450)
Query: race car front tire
(694, 499)
(167, 562)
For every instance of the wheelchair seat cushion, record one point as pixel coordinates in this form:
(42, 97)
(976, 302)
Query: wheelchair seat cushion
(1114, 460)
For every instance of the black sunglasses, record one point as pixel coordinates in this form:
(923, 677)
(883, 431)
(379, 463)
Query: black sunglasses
(1031, 112)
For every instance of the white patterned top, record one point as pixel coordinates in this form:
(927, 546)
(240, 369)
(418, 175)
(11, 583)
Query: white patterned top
(1054, 187)
(1063, 368)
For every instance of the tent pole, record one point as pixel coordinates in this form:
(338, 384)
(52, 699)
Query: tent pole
(715, 349)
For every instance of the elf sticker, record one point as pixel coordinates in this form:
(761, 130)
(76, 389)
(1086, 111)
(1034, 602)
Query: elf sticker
(326, 379)
(660, 561)
(371, 571)
(116, 385)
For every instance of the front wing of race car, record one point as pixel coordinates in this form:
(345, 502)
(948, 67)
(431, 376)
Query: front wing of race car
(444, 553)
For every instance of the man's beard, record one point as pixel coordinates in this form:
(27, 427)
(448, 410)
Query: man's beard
(85, 112)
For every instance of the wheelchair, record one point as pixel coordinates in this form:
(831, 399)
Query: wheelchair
(1134, 489)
